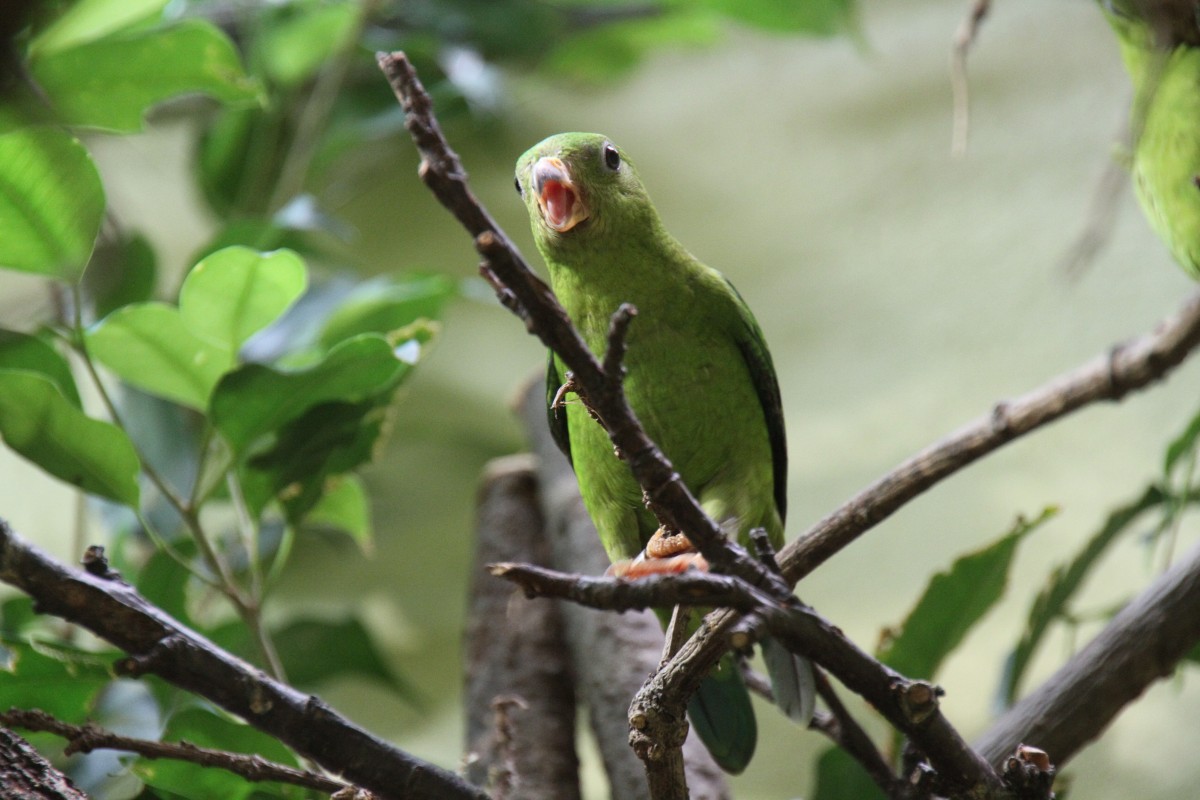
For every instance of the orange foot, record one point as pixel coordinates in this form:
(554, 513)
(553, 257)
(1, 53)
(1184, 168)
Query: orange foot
(665, 554)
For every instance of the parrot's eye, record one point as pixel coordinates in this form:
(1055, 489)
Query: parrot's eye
(517, 183)
(612, 159)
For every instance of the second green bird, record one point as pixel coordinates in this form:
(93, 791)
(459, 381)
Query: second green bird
(1159, 45)
(699, 377)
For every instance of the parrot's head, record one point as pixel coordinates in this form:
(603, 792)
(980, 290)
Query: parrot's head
(580, 188)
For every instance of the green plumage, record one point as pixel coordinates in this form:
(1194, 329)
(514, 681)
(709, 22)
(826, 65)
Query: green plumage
(699, 375)
(1158, 46)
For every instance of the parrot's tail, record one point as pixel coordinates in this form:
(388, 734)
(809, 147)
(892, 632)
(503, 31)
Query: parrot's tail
(723, 718)
(791, 681)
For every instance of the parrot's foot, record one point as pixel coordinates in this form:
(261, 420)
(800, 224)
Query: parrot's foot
(560, 397)
(666, 554)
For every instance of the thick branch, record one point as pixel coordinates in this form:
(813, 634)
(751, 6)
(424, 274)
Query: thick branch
(86, 738)
(1142, 644)
(158, 644)
(519, 686)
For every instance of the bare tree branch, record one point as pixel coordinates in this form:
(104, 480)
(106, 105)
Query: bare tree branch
(157, 644)
(1142, 644)
(86, 738)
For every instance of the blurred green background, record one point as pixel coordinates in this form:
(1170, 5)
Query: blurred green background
(903, 292)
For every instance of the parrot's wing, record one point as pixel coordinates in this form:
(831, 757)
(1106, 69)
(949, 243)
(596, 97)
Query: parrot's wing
(762, 371)
(556, 417)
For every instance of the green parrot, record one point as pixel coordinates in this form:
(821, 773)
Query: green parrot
(699, 377)
(1160, 45)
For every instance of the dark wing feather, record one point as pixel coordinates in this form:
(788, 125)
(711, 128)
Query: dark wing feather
(557, 418)
(766, 386)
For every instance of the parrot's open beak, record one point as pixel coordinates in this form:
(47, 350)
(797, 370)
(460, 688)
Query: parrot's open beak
(561, 205)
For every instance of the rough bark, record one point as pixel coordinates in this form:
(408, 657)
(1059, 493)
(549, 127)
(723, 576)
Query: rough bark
(519, 686)
(25, 775)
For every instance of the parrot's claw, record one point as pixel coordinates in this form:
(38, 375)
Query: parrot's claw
(665, 543)
(560, 397)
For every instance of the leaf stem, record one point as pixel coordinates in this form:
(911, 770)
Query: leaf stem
(248, 608)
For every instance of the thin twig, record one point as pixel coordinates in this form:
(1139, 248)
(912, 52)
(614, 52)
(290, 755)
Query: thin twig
(86, 738)
(1101, 217)
(315, 111)
(964, 37)
(849, 735)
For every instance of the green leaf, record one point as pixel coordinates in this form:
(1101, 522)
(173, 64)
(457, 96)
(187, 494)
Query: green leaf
(952, 603)
(151, 347)
(88, 20)
(293, 49)
(16, 613)
(1066, 579)
(51, 203)
(609, 51)
(111, 83)
(840, 777)
(327, 440)
(258, 234)
(382, 306)
(236, 292)
(20, 351)
(345, 507)
(1182, 444)
(44, 427)
(255, 400)
(315, 651)
(821, 17)
(58, 679)
(240, 154)
(122, 272)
